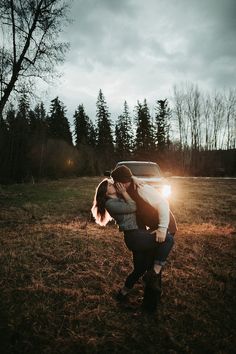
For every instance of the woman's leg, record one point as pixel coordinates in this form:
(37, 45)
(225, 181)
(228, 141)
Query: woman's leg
(141, 261)
(144, 241)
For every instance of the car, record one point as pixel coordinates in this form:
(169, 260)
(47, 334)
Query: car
(150, 173)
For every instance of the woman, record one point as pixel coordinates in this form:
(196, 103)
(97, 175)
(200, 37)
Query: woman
(112, 201)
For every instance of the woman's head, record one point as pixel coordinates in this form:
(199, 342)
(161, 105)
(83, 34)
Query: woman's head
(103, 190)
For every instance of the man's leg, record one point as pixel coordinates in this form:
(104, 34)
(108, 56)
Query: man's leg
(152, 279)
(144, 241)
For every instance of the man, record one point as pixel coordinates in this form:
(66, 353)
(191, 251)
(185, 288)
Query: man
(153, 212)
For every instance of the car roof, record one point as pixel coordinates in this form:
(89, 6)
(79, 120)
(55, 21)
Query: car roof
(136, 162)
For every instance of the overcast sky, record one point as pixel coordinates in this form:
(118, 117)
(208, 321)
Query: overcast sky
(136, 49)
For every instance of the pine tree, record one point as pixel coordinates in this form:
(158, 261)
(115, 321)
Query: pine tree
(84, 129)
(38, 138)
(4, 137)
(123, 134)
(104, 141)
(162, 124)
(144, 141)
(85, 141)
(92, 134)
(19, 135)
(58, 124)
(104, 132)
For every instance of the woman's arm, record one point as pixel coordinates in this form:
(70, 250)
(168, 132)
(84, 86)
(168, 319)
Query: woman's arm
(122, 190)
(120, 206)
(126, 205)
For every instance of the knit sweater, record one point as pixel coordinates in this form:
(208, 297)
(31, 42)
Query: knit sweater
(124, 213)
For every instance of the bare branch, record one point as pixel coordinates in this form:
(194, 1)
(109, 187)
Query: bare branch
(13, 32)
(35, 26)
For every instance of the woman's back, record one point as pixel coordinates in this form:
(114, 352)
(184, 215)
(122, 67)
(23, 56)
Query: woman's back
(124, 213)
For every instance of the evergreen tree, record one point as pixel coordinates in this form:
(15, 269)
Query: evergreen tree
(84, 129)
(19, 134)
(38, 138)
(85, 141)
(104, 132)
(144, 141)
(58, 124)
(4, 136)
(123, 134)
(162, 124)
(38, 120)
(92, 134)
(104, 141)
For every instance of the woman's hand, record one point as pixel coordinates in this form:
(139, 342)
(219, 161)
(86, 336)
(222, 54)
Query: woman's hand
(120, 188)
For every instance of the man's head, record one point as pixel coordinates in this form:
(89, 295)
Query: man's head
(123, 175)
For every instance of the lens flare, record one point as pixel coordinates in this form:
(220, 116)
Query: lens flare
(166, 191)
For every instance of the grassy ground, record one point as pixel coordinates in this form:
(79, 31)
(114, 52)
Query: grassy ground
(59, 273)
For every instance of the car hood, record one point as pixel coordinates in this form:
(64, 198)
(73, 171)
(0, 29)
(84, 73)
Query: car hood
(152, 179)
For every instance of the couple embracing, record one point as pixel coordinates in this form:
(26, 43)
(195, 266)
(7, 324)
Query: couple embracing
(148, 226)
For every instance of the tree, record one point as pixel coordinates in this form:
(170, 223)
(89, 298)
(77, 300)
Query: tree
(38, 138)
(144, 141)
(104, 143)
(218, 111)
(194, 115)
(30, 47)
(4, 137)
(84, 129)
(61, 154)
(58, 125)
(85, 141)
(206, 111)
(163, 114)
(104, 132)
(123, 134)
(19, 135)
(230, 111)
(180, 110)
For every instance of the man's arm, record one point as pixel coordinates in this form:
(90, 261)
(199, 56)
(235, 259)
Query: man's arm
(154, 198)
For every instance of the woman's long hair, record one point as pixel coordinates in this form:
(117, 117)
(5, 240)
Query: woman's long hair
(98, 210)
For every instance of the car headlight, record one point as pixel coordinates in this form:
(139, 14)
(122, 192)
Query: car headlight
(166, 191)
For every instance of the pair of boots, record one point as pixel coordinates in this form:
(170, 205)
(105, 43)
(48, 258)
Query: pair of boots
(152, 291)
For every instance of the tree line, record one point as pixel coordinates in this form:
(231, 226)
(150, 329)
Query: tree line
(195, 136)
(190, 138)
(36, 144)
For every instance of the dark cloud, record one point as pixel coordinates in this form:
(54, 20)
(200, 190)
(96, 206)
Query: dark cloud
(135, 48)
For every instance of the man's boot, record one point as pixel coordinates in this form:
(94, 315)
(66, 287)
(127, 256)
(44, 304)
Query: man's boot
(152, 291)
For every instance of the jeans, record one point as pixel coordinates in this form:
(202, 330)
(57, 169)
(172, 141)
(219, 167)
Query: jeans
(146, 250)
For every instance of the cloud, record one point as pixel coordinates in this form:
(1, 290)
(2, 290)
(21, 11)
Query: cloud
(133, 49)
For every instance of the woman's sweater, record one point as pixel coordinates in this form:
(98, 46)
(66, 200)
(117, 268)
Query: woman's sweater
(124, 213)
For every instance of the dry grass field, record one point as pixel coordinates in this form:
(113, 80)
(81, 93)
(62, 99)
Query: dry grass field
(59, 272)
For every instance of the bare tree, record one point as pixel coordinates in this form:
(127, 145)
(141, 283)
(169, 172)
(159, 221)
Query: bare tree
(194, 115)
(206, 112)
(180, 113)
(218, 111)
(230, 112)
(30, 45)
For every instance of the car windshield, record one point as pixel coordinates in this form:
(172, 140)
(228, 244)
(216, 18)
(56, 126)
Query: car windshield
(144, 170)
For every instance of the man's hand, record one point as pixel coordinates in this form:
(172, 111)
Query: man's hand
(160, 234)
